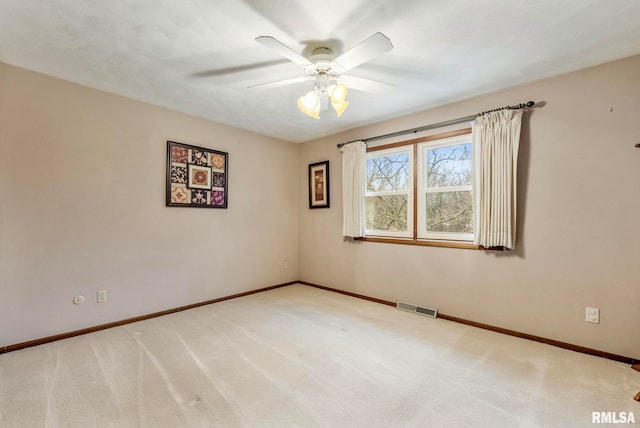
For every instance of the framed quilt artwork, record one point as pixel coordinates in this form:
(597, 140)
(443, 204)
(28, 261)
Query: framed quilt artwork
(196, 176)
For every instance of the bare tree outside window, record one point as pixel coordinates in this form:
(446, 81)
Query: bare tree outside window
(387, 190)
(449, 203)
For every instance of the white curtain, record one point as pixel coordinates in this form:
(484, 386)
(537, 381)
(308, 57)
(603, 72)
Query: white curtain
(496, 138)
(354, 158)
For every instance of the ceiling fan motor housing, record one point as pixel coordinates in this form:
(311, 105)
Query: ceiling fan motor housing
(322, 51)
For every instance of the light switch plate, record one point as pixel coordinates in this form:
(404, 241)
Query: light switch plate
(593, 315)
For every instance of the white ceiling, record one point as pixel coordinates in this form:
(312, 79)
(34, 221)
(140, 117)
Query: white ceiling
(199, 56)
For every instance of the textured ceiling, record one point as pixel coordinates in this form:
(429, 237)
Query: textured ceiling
(199, 56)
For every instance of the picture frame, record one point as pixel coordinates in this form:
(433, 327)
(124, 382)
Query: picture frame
(319, 185)
(196, 176)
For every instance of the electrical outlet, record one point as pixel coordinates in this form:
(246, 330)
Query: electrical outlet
(593, 315)
(78, 300)
(285, 264)
(102, 296)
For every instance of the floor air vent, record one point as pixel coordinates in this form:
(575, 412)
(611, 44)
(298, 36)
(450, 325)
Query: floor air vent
(428, 312)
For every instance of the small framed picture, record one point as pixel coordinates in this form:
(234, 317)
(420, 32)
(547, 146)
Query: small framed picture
(319, 185)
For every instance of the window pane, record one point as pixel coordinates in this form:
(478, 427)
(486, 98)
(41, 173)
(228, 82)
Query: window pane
(388, 173)
(450, 212)
(449, 166)
(387, 213)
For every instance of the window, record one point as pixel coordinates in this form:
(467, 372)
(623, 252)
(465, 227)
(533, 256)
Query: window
(434, 202)
(445, 200)
(389, 193)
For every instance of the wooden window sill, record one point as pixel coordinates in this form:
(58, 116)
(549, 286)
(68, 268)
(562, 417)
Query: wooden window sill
(423, 243)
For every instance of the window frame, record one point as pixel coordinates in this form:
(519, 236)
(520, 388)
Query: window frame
(422, 189)
(414, 238)
(390, 151)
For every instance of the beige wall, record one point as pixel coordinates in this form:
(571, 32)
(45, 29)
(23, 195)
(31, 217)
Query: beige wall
(82, 208)
(579, 220)
(82, 188)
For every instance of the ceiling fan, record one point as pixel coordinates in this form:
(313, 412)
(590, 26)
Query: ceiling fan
(328, 73)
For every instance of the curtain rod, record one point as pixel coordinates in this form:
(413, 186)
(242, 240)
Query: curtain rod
(440, 124)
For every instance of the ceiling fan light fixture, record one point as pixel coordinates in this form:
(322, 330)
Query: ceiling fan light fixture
(338, 93)
(309, 104)
(340, 107)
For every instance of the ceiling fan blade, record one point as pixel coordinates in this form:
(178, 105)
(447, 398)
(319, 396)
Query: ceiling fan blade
(366, 50)
(279, 83)
(283, 50)
(368, 85)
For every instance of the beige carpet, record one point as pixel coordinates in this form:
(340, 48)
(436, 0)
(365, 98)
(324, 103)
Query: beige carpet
(303, 357)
